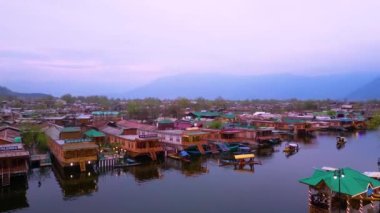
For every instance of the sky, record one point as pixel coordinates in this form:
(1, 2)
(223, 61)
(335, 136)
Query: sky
(111, 46)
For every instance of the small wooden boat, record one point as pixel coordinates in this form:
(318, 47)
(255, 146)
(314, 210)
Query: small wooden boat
(233, 147)
(126, 163)
(376, 196)
(341, 140)
(291, 147)
(182, 155)
(274, 141)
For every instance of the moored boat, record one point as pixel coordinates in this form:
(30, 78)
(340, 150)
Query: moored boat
(341, 140)
(126, 162)
(182, 155)
(291, 147)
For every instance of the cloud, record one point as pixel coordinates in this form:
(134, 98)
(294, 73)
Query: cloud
(126, 43)
(65, 65)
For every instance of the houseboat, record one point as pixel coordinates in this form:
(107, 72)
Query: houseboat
(13, 162)
(133, 141)
(9, 135)
(326, 193)
(70, 148)
(177, 140)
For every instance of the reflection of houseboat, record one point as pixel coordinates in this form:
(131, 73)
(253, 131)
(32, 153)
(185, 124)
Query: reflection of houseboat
(146, 172)
(14, 196)
(75, 184)
(291, 148)
(69, 147)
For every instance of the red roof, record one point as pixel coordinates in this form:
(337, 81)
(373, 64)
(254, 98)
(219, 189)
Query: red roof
(9, 134)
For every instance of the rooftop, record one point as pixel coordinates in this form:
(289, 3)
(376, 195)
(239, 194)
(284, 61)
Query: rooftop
(92, 133)
(353, 183)
(71, 129)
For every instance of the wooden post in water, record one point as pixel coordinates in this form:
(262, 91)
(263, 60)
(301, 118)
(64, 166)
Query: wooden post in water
(348, 205)
(309, 197)
(329, 198)
(82, 166)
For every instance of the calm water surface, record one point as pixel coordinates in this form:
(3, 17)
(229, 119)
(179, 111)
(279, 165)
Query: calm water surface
(201, 186)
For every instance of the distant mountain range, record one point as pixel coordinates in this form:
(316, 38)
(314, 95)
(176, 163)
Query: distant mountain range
(351, 86)
(368, 91)
(355, 86)
(5, 92)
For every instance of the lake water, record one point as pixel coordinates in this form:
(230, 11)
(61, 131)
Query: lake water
(201, 186)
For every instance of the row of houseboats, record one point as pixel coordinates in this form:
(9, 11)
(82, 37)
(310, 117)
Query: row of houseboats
(86, 147)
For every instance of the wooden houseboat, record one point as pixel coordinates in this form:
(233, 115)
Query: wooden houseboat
(329, 189)
(13, 161)
(70, 148)
(176, 140)
(134, 142)
(9, 135)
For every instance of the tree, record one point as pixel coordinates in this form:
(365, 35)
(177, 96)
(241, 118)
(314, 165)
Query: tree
(215, 124)
(331, 113)
(34, 138)
(374, 122)
(68, 98)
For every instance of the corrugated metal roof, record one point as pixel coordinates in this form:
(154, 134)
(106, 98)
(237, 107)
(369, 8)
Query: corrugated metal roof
(71, 129)
(353, 183)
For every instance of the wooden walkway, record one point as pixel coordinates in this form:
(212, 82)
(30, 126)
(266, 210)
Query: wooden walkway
(43, 159)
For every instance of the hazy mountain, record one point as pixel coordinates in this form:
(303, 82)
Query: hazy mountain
(368, 91)
(275, 86)
(7, 92)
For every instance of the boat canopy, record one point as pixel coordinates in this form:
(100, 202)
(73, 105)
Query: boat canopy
(183, 153)
(244, 156)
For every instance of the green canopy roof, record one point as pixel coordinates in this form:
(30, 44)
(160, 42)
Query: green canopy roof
(165, 121)
(206, 114)
(92, 133)
(17, 140)
(353, 183)
(71, 129)
(229, 116)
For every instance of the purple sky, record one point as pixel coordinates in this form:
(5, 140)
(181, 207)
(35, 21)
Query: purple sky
(110, 46)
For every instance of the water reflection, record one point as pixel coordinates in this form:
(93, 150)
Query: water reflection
(168, 180)
(146, 172)
(75, 184)
(266, 152)
(14, 196)
(197, 166)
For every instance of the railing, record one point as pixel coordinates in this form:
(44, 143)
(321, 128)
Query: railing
(15, 170)
(147, 150)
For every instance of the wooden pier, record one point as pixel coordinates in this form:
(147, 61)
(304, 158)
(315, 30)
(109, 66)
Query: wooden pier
(42, 159)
